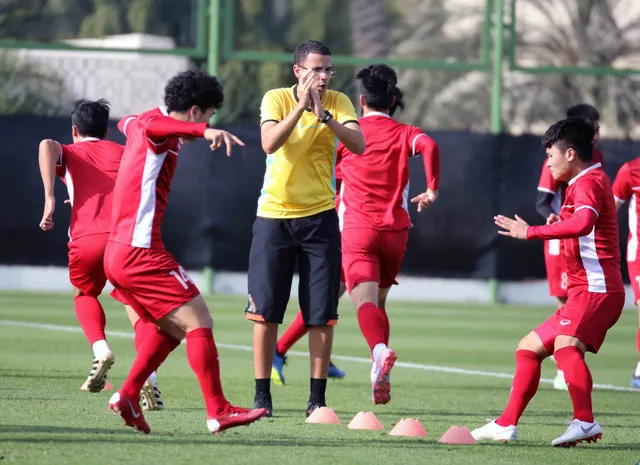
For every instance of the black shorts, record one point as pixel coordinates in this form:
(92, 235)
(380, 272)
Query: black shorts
(278, 244)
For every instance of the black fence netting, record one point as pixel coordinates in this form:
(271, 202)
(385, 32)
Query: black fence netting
(213, 202)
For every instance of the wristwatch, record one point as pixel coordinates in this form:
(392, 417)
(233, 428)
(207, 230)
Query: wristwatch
(327, 116)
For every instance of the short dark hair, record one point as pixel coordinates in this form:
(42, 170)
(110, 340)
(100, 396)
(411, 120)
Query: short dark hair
(193, 87)
(378, 86)
(584, 111)
(571, 133)
(91, 118)
(303, 50)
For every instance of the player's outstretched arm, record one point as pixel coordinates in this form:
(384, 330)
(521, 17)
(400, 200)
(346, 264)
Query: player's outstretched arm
(49, 155)
(581, 224)
(218, 137)
(164, 126)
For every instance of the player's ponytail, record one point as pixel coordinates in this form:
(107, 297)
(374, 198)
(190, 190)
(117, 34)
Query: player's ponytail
(378, 86)
(399, 103)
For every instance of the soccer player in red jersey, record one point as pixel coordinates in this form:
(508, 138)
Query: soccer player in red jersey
(549, 200)
(625, 189)
(142, 271)
(588, 225)
(88, 168)
(374, 216)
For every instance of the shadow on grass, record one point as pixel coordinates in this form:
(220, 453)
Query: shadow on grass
(232, 438)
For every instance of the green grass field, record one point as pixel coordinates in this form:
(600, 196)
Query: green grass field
(44, 418)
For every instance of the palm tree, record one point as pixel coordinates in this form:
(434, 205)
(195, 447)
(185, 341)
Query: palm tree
(576, 33)
(445, 31)
(27, 89)
(369, 28)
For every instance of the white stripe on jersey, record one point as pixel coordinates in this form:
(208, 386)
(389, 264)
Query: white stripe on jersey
(632, 247)
(554, 246)
(591, 263)
(413, 145)
(405, 198)
(147, 208)
(341, 207)
(69, 183)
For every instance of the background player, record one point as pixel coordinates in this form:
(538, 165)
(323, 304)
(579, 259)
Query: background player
(88, 168)
(589, 226)
(296, 219)
(297, 329)
(549, 200)
(625, 189)
(373, 212)
(142, 271)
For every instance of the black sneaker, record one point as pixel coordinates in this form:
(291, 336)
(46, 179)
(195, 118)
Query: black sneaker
(314, 404)
(263, 400)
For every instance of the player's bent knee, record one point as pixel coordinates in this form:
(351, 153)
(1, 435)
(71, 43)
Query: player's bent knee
(382, 297)
(533, 343)
(364, 293)
(192, 315)
(563, 341)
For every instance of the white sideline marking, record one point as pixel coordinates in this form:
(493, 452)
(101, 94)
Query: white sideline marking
(415, 366)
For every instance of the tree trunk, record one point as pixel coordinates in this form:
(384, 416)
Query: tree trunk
(370, 28)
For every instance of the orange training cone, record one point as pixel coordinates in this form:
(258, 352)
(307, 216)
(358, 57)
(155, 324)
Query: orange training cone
(107, 386)
(366, 421)
(408, 427)
(457, 435)
(324, 416)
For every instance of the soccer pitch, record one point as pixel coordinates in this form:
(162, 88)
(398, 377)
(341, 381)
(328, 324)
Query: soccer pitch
(454, 363)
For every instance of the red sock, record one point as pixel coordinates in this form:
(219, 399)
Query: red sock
(524, 386)
(153, 351)
(91, 317)
(293, 334)
(372, 323)
(579, 381)
(203, 358)
(143, 329)
(387, 328)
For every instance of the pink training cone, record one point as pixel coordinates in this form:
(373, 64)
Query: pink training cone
(408, 427)
(107, 386)
(457, 435)
(324, 416)
(366, 421)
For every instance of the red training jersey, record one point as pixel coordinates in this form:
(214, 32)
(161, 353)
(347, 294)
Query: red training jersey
(625, 189)
(548, 184)
(89, 169)
(148, 165)
(592, 259)
(375, 185)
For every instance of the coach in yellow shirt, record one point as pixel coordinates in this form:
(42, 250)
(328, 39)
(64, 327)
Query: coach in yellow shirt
(296, 222)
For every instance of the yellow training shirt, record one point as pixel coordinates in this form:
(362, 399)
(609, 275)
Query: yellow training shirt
(300, 177)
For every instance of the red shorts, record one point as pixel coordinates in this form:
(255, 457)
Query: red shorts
(586, 316)
(556, 268)
(371, 255)
(634, 277)
(86, 263)
(149, 280)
